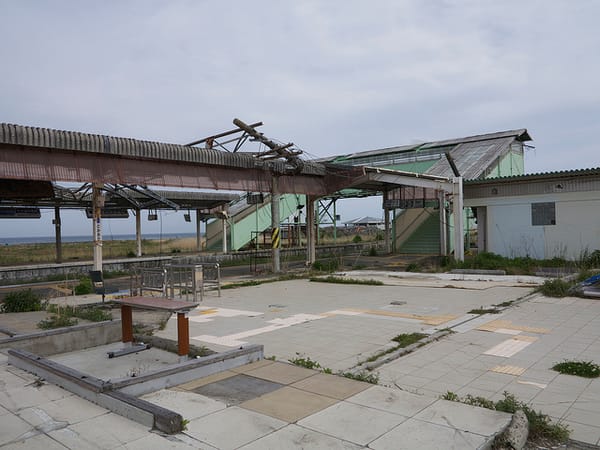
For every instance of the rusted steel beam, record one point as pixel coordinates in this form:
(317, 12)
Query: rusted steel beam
(33, 163)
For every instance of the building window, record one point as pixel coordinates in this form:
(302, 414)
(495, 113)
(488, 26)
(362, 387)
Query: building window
(543, 214)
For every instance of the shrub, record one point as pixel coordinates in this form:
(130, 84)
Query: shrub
(412, 267)
(326, 265)
(372, 251)
(555, 288)
(357, 239)
(84, 287)
(21, 301)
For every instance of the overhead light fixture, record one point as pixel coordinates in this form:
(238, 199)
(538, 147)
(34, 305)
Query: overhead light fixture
(152, 216)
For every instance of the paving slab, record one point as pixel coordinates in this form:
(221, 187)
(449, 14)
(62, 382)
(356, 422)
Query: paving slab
(12, 428)
(330, 386)
(237, 389)
(188, 404)
(465, 417)
(294, 436)
(355, 423)
(416, 434)
(35, 442)
(288, 404)
(216, 429)
(105, 431)
(281, 373)
(392, 400)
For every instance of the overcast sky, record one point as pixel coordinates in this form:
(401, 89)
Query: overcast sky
(332, 76)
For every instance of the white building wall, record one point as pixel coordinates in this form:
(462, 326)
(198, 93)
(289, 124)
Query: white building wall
(510, 232)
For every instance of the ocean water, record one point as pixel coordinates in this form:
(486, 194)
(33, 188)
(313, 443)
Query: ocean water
(114, 237)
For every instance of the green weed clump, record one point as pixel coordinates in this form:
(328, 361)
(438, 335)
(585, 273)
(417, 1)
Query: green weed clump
(363, 375)
(586, 369)
(406, 339)
(541, 427)
(555, 288)
(57, 321)
(482, 310)
(21, 301)
(305, 361)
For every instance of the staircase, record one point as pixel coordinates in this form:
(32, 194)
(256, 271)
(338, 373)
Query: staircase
(424, 237)
(245, 219)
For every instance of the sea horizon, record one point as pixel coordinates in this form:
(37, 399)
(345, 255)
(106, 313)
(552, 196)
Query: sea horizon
(88, 238)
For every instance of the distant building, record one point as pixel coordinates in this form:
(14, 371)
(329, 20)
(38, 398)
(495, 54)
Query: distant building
(365, 221)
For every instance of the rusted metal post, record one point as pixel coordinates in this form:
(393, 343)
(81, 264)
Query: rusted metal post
(97, 204)
(386, 220)
(138, 232)
(127, 325)
(183, 334)
(57, 233)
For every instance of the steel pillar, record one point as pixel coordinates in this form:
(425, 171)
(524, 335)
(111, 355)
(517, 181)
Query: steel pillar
(443, 224)
(57, 233)
(310, 230)
(198, 233)
(97, 204)
(459, 220)
(138, 232)
(275, 231)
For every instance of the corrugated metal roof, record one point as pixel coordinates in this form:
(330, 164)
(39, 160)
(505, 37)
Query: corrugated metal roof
(538, 176)
(133, 148)
(520, 135)
(472, 158)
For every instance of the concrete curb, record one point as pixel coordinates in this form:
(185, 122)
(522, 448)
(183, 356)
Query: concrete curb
(120, 396)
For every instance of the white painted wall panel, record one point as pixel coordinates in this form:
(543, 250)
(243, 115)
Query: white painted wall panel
(511, 234)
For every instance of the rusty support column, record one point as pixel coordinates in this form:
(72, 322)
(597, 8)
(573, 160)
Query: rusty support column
(97, 204)
(183, 334)
(138, 232)
(57, 233)
(127, 325)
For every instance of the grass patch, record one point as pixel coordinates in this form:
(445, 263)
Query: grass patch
(555, 288)
(406, 339)
(403, 340)
(91, 313)
(504, 304)
(343, 280)
(21, 301)
(512, 266)
(56, 321)
(248, 283)
(329, 265)
(541, 427)
(306, 362)
(482, 310)
(586, 369)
